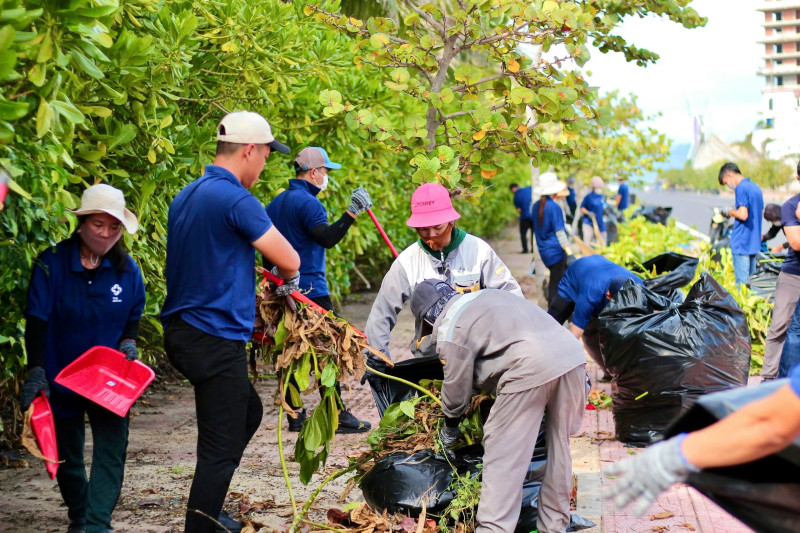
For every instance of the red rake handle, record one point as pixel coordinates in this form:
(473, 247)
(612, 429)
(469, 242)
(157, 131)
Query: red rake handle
(302, 298)
(380, 230)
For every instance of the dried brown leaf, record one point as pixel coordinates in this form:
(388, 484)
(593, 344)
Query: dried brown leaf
(662, 516)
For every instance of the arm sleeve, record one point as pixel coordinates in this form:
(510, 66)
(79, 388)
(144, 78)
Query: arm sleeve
(788, 216)
(496, 275)
(394, 292)
(742, 198)
(131, 330)
(584, 310)
(40, 291)
(329, 236)
(35, 335)
(771, 233)
(561, 235)
(457, 385)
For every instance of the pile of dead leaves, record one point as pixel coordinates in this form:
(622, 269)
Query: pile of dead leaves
(599, 399)
(363, 519)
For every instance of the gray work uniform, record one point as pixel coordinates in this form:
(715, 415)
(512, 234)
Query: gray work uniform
(471, 266)
(496, 342)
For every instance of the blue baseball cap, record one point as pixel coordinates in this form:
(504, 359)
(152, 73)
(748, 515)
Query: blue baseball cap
(314, 157)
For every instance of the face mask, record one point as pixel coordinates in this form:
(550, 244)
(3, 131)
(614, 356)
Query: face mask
(324, 183)
(96, 244)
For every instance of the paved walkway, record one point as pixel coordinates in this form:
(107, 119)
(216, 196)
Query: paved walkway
(682, 507)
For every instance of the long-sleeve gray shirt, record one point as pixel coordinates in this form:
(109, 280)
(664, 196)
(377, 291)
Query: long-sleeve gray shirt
(499, 343)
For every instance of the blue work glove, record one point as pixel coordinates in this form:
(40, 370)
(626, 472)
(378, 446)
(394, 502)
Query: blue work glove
(36, 383)
(289, 285)
(128, 347)
(359, 201)
(649, 474)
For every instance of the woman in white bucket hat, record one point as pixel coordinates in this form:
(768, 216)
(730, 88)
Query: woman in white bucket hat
(85, 292)
(548, 227)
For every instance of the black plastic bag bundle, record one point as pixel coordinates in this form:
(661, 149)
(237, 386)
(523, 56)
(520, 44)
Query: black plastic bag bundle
(763, 494)
(673, 353)
(764, 280)
(674, 271)
(656, 215)
(386, 392)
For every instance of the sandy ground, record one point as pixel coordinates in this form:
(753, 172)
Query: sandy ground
(161, 453)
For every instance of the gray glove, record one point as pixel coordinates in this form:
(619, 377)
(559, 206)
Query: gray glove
(128, 347)
(449, 436)
(359, 201)
(649, 474)
(289, 285)
(36, 383)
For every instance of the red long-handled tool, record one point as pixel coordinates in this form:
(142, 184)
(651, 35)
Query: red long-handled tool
(380, 230)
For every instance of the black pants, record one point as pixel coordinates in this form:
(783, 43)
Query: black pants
(326, 303)
(228, 413)
(91, 501)
(525, 225)
(556, 273)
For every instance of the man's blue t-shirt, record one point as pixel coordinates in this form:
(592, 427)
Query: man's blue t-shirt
(788, 219)
(81, 311)
(572, 203)
(594, 202)
(522, 201)
(624, 194)
(794, 379)
(295, 212)
(585, 283)
(746, 236)
(211, 281)
(552, 220)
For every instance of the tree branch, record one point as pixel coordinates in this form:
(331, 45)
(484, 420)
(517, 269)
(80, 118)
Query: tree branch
(428, 18)
(457, 114)
(460, 88)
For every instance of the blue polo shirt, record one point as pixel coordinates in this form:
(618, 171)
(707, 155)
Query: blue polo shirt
(81, 311)
(594, 202)
(794, 379)
(585, 283)
(211, 281)
(788, 218)
(623, 192)
(572, 203)
(522, 201)
(547, 242)
(746, 236)
(295, 212)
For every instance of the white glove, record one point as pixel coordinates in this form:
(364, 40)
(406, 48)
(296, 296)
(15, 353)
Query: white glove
(289, 285)
(359, 201)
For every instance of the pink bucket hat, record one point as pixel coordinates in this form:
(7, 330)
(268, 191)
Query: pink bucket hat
(431, 206)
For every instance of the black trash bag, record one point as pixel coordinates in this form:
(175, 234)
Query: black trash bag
(388, 392)
(764, 280)
(401, 481)
(656, 215)
(674, 271)
(674, 353)
(764, 493)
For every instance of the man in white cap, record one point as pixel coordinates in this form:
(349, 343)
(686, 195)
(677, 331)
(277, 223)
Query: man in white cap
(301, 218)
(215, 226)
(442, 251)
(491, 341)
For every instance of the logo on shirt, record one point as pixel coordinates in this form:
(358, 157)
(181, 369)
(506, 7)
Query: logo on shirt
(116, 290)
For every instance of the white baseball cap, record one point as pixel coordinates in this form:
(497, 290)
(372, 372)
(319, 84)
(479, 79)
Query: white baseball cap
(102, 198)
(246, 127)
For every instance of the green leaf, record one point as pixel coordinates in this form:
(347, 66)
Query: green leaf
(87, 65)
(407, 407)
(521, 95)
(8, 59)
(328, 378)
(13, 110)
(126, 134)
(7, 33)
(6, 132)
(379, 40)
(38, 74)
(330, 97)
(294, 394)
(302, 373)
(280, 335)
(68, 111)
(446, 95)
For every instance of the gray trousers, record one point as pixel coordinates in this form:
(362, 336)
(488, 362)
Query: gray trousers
(509, 439)
(787, 292)
(589, 236)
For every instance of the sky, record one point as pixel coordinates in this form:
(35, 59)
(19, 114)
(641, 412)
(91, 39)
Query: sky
(713, 67)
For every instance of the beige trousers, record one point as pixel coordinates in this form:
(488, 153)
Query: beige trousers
(509, 439)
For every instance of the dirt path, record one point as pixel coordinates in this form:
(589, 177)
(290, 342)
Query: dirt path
(161, 453)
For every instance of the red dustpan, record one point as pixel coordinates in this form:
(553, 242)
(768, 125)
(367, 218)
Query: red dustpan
(104, 376)
(44, 429)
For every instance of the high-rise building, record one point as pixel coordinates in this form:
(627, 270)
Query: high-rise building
(780, 105)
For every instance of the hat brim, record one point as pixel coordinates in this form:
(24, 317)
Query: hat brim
(330, 165)
(126, 218)
(279, 147)
(435, 218)
(550, 189)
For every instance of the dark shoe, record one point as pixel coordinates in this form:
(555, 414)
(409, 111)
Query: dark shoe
(228, 523)
(350, 424)
(76, 529)
(296, 424)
